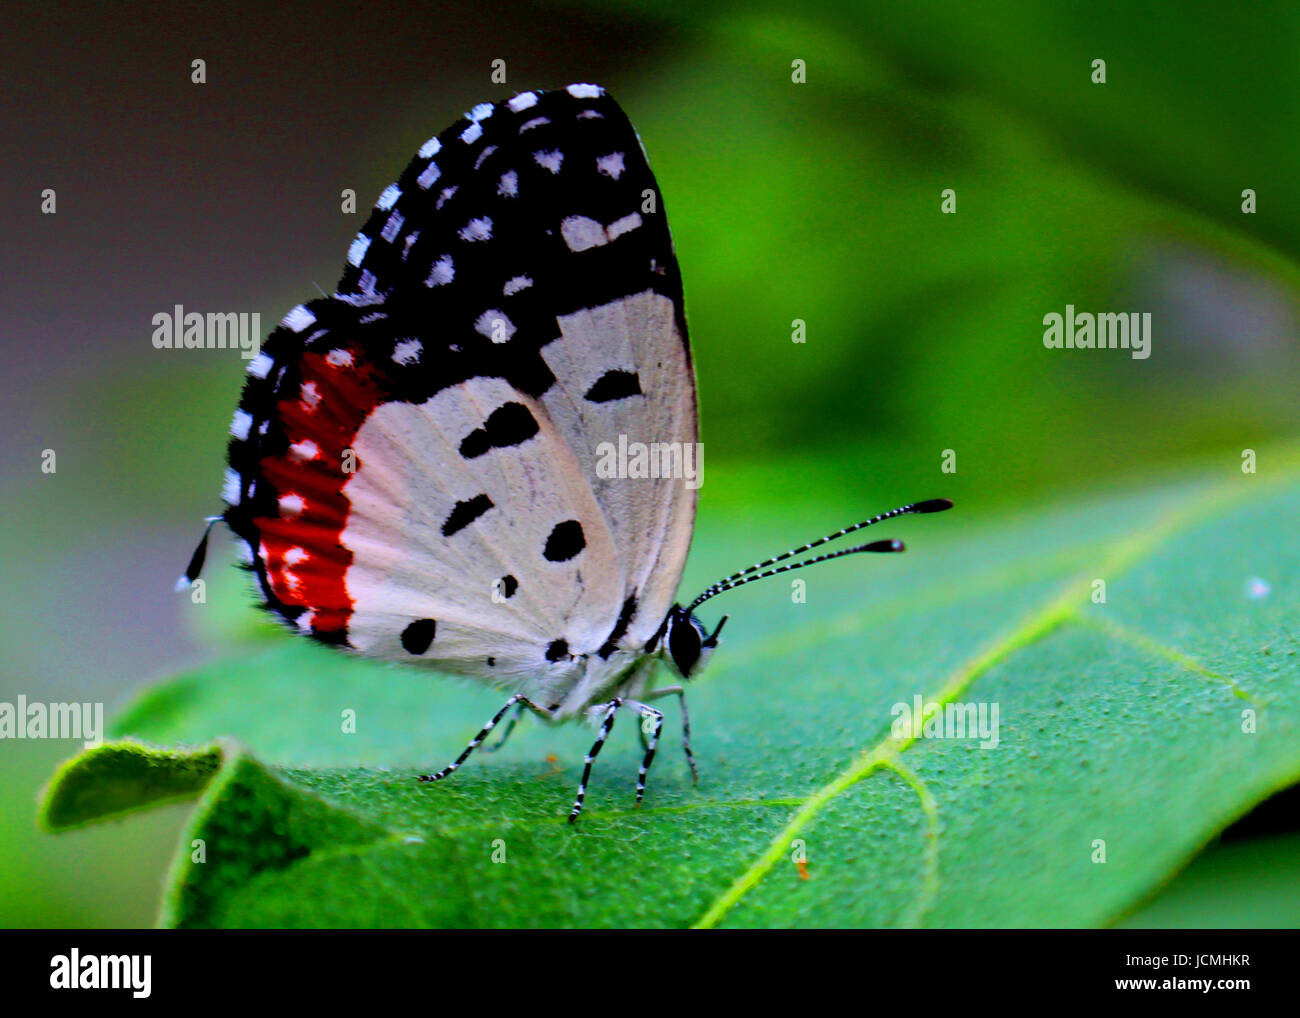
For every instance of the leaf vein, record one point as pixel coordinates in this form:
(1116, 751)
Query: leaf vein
(1143, 641)
(930, 807)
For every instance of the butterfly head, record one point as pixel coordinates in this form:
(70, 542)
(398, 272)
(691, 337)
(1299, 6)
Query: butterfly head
(686, 642)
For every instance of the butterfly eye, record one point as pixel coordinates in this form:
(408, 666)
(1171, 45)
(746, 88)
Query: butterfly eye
(685, 644)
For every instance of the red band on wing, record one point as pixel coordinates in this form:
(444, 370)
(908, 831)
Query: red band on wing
(306, 563)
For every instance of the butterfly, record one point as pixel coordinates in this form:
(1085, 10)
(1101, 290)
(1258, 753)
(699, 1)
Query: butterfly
(421, 464)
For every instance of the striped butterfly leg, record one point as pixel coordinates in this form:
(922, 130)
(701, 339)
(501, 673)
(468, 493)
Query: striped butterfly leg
(606, 724)
(654, 719)
(519, 699)
(680, 693)
(510, 727)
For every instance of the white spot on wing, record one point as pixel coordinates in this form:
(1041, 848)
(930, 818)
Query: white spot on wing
(393, 227)
(442, 272)
(528, 125)
(303, 451)
(339, 358)
(583, 91)
(295, 555)
(509, 185)
(430, 148)
(611, 165)
(495, 326)
(407, 351)
(298, 319)
(551, 159)
(523, 101)
(515, 284)
(429, 176)
(627, 224)
(389, 197)
(260, 366)
(240, 424)
(483, 155)
(291, 505)
(476, 229)
(447, 192)
(366, 292)
(310, 396)
(471, 134)
(357, 249)
(230, 488)
(582, 232)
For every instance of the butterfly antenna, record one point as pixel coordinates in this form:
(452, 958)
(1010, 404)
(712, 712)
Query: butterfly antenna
(755, 572)
(200, 554)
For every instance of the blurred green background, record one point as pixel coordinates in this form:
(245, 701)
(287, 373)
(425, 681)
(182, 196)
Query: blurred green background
(817, 201)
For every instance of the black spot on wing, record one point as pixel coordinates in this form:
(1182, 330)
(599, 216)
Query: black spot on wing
(465, 513)
(620, 628)
(476, 443)
(418, 636)
(565, 542)
(507, 425)
(558, 650)
(508, 586)
(614, 385)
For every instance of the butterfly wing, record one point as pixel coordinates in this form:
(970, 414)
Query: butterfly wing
(415, 462)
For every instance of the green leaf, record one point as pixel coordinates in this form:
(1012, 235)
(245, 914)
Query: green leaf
(1126, 722)
(1234, 885)
(123, 778)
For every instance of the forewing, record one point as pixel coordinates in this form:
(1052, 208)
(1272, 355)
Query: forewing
(414, 460)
